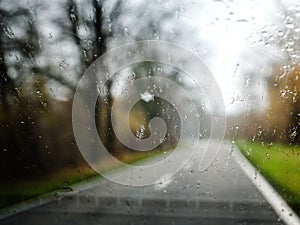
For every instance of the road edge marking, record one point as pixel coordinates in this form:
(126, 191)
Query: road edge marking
(279, 205)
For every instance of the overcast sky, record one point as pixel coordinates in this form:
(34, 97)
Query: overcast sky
(226, 35)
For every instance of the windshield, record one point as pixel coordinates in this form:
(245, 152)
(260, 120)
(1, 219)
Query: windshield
(149, 112)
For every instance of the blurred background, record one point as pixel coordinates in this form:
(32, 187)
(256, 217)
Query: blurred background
(251, 48)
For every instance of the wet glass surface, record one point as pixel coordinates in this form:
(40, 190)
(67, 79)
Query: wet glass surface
(149, 112)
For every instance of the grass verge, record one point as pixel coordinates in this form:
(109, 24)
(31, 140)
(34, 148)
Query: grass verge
(280, 164)
(16, 191)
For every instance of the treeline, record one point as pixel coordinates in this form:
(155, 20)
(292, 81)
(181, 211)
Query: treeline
(280, 120)
(46, 46)
(36, 136)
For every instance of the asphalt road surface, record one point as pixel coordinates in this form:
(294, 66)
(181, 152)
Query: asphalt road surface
(225, 193)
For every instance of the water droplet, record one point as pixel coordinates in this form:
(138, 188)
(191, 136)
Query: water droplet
(147, 97)
(73, 17)
(66, 188)
(293, 134)
(8, 32)
(125, 31)
(264, 33)
(140, 132)
(290, 26)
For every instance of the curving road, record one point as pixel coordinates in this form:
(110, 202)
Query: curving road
(230, 191)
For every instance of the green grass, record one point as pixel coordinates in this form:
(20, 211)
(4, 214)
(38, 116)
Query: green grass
(279, 163)
(20, 190)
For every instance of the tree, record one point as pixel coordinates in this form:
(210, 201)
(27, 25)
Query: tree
(283, 113)
(103, 23)
(20, 45)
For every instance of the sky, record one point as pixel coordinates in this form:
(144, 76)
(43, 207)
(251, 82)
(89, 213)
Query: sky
(225, 35)
(231, 30)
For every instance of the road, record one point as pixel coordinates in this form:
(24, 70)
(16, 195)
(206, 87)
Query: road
(225, 193)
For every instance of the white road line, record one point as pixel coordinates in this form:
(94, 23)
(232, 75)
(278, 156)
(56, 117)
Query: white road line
(275, 200)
